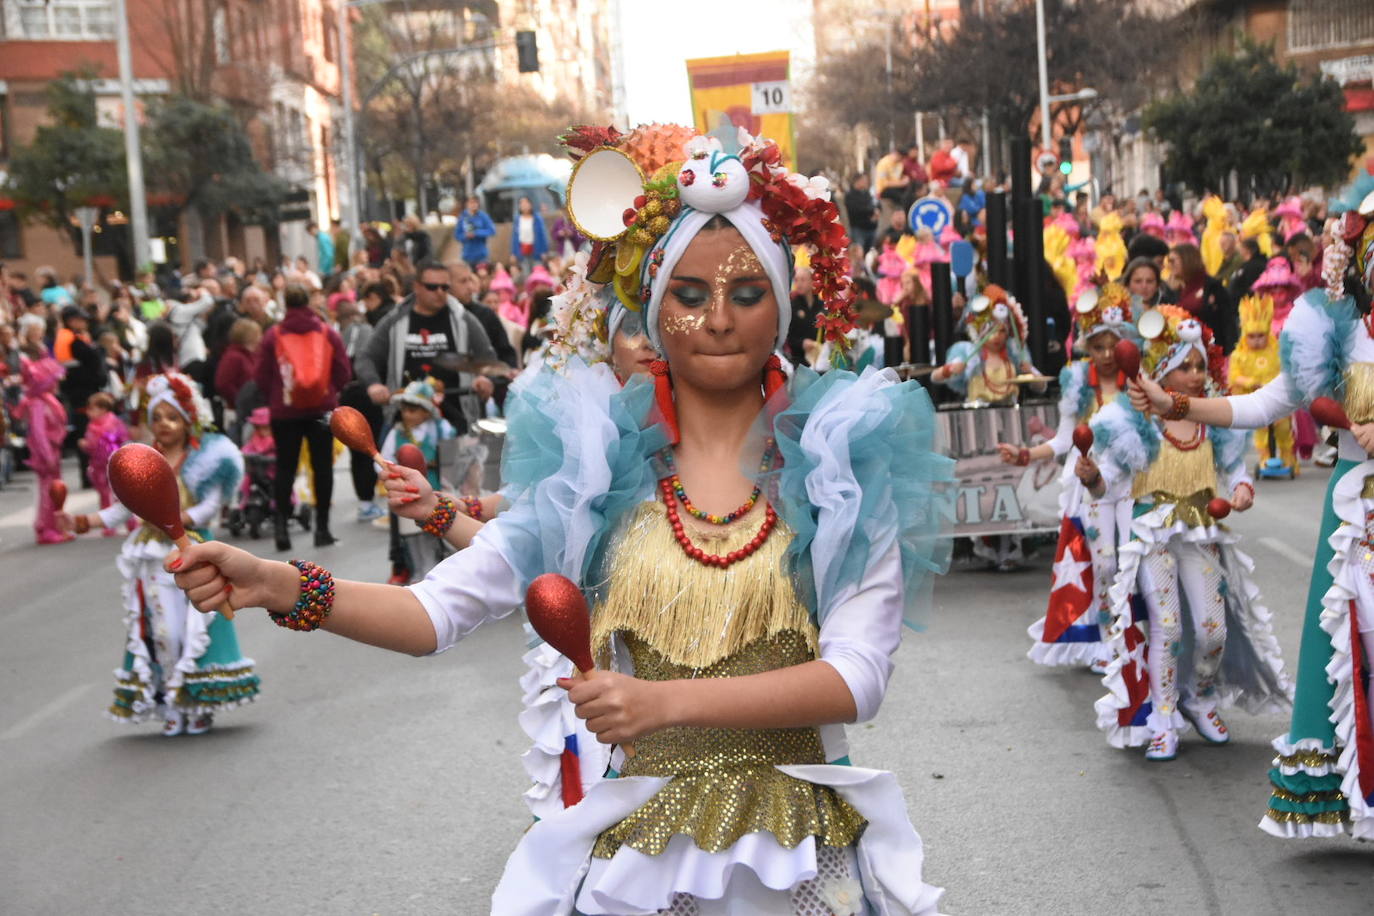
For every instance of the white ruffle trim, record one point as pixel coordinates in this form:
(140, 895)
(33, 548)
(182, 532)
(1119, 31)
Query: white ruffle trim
(545, 874)
(1273, 690)
(1285, 748)
(1347, 576)
(547, 719)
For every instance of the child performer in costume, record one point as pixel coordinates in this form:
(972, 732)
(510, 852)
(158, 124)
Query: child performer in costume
(179, 665)
(983, 367)
(1071, 631)
(46, 423)
(1254, 364)
(1323, 771)
(105, 433)
(739, 616)
(1184, 567)
(419, 423)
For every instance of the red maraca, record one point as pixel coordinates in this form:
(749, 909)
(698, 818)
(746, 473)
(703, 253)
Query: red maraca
(1218, 508)
(350, 427)
(145, 483)
(411, 456)
(1083, 437)
(57, 492)
(1329, 412)
(558, 612)
(1127, 356)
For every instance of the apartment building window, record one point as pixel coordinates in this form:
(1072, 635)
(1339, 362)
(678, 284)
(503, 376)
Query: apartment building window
(1316, 25)
(88, 20)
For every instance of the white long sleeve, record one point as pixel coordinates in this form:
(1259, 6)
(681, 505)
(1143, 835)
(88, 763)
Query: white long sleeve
(205, 511)
(1260, 408)
(114, 515)
(862, 632)
(1063, 434)
(468, 589)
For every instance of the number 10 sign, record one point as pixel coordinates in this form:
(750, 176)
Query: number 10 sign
(772, 97)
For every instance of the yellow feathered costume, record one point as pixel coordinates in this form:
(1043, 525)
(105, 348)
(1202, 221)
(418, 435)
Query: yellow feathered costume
(1111, 249)
(1252, 368)
(1217, 222)
(1257, 226)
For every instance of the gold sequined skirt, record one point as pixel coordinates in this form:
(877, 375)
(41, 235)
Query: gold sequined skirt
(725, 782)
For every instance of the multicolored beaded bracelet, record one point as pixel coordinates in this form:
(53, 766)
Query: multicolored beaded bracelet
(315, 602)
(472, 506)
(441, 519)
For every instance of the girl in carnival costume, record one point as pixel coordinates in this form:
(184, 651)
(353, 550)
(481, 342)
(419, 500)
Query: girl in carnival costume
(1218, 222)
(1185, 568)
(1070, 633)
(1257, 225)
(1255, 363)
(1111, 248)
(982, 368)
(1281, 285)
(105, 433)
(45, 421)
(891, 267)
(179, 665)
(733, 641)
(1323, 771)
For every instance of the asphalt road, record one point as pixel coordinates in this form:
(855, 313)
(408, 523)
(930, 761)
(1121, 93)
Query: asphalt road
(363, 782)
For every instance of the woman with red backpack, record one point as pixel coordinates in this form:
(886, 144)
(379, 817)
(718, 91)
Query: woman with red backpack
(302, 365)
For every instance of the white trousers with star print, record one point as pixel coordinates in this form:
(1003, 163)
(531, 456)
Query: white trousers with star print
(1169, 573)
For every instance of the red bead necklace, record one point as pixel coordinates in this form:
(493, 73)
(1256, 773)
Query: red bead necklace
(1198, 436)
(770, 520)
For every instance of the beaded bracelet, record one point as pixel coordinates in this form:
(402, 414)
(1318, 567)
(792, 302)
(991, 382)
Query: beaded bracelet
(472, 506)
(441, 519)
(1179, 409)
(315, 602)
(81, 524)
(1023, 457)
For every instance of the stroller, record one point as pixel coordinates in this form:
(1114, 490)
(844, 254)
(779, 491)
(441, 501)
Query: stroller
(256, 504)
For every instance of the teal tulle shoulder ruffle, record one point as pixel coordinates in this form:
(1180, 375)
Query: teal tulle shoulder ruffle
(1229, 447)
(1125, 436)
(860, 470)
(576, 461)
(1314, 347)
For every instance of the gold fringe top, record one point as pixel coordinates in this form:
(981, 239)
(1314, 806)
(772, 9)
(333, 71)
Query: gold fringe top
(1359, 392)
(1188, 479)
(994, 384)
(692, 613)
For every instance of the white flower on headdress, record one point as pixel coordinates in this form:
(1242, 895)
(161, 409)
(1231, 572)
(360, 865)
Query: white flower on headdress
(700, 147)
(844, 896)
(816, 188)
(1112, 314)
(1000, 311)
(1189, 331)
(576, 314)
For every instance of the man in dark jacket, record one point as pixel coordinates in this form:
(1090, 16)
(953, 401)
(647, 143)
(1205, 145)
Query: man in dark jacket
(1246, 275)
(293, 423)
(859, 204)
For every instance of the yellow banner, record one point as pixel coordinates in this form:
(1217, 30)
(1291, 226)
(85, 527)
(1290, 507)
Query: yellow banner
(752, 91)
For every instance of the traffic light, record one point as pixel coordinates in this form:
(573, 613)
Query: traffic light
(527, 52)
(1065, 155)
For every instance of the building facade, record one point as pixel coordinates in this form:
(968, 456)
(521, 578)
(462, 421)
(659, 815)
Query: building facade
(275, 63)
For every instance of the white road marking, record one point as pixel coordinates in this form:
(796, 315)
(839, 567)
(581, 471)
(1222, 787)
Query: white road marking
(36, 718)
(1287, 551)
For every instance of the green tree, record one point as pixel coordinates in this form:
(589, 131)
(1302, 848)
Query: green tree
(72, 161)
(199, 154)
(1270, 125)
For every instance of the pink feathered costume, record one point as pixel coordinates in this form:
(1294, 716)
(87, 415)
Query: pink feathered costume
(103, 436)
(47, 426)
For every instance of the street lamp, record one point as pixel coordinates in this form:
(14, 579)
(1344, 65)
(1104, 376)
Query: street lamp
(1081, 95)
(133, 153)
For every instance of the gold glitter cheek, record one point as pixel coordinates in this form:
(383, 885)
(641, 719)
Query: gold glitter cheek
(683, 324)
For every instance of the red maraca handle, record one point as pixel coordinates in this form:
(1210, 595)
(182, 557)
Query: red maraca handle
(1127, 356)
(1329, 412)
(1083, 437)
(1218, 508)
(57, 492)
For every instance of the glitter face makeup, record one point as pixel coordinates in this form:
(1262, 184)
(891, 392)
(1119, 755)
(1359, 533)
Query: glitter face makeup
(683, 324)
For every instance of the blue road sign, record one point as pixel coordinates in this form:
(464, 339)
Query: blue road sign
(933, 213)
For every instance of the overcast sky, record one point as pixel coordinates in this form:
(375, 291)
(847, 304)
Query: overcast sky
(658, 37)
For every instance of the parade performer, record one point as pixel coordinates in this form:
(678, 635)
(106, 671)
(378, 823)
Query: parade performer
(1218, 222)
(179, 665)
(1111, 248)
(891, 267)
(1070, 633)
(730, 645)
(1254, 364)
(1323, 771)
(1256, 225)
(45, 422)
(105, 432)
(983, 367)
(1185, 567)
